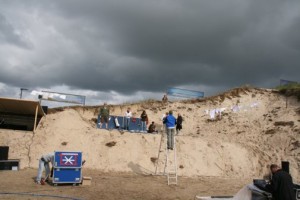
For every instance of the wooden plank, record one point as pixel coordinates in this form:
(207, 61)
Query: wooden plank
(35, 118)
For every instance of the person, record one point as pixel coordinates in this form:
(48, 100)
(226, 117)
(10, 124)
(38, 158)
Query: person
(144, 120)
(44, 163)
(163, 120)
(179, 123)
(165, 99)
(128, 115)
(281, 186)
(164, 116)
(104, 114)
(152, 128)
(170, 122)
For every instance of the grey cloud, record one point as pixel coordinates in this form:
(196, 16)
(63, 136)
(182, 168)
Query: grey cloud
(291, 34)
(129, 46)
(9, 35)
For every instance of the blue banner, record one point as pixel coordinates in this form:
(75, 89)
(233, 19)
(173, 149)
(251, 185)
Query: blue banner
(286, 82)
(119, 122)
(184, 93)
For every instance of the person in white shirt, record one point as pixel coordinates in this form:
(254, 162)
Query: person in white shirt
(44, 163)
(128, 116)
(164, 124)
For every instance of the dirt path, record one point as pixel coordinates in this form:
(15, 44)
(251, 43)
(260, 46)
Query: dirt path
(117, 186)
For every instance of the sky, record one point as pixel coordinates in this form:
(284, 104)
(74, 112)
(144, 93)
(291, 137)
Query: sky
(121, 51)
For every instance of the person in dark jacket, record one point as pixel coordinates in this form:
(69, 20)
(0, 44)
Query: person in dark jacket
(178, 123)
(144, 121)
(152, 128)
(104, 116)
(165, 99)
(281, 187)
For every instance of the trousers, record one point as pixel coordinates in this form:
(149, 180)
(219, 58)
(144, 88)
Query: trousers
(170, 138)
(144, 126)
(42, 165)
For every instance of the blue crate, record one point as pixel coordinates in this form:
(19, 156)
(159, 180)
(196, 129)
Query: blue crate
(67, 159)
(67, 175)
(67, 167)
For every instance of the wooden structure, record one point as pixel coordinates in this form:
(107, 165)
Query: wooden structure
(19, 114)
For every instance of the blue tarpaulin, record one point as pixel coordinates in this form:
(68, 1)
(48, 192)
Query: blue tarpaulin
(185, 93)
(286, 82)
(134, 123)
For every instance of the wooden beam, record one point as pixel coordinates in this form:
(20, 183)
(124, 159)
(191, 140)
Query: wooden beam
(35, 117)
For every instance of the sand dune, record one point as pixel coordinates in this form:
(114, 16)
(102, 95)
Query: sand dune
(240, 144)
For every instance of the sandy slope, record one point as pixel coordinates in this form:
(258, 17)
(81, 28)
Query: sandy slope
(241, 144)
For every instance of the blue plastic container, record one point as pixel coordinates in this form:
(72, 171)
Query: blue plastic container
(67, 167)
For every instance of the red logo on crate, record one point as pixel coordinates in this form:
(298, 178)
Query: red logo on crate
(68, 159)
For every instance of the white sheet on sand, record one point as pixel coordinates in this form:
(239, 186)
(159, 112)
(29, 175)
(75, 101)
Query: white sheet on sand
(244, 194)
(212, 113)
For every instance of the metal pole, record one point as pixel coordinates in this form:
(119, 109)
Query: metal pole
(22, 92)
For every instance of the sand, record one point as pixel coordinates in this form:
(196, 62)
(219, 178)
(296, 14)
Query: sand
(240, 145)
(110, 186)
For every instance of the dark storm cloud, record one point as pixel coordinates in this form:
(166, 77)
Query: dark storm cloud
(8, 35)
(133, 45)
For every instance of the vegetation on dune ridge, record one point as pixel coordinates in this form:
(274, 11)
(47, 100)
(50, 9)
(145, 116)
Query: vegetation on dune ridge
(235, 92)
(292, 89)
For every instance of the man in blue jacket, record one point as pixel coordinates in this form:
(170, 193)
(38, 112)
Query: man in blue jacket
(170, 122)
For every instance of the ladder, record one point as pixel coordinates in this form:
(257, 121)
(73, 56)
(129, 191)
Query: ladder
(171, 165)
(170, 162)
(160, 150)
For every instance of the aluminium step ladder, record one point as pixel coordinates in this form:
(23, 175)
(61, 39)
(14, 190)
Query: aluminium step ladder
(159, 163)
(171, 165)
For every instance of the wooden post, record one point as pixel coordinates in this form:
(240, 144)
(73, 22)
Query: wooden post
(35, 118)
